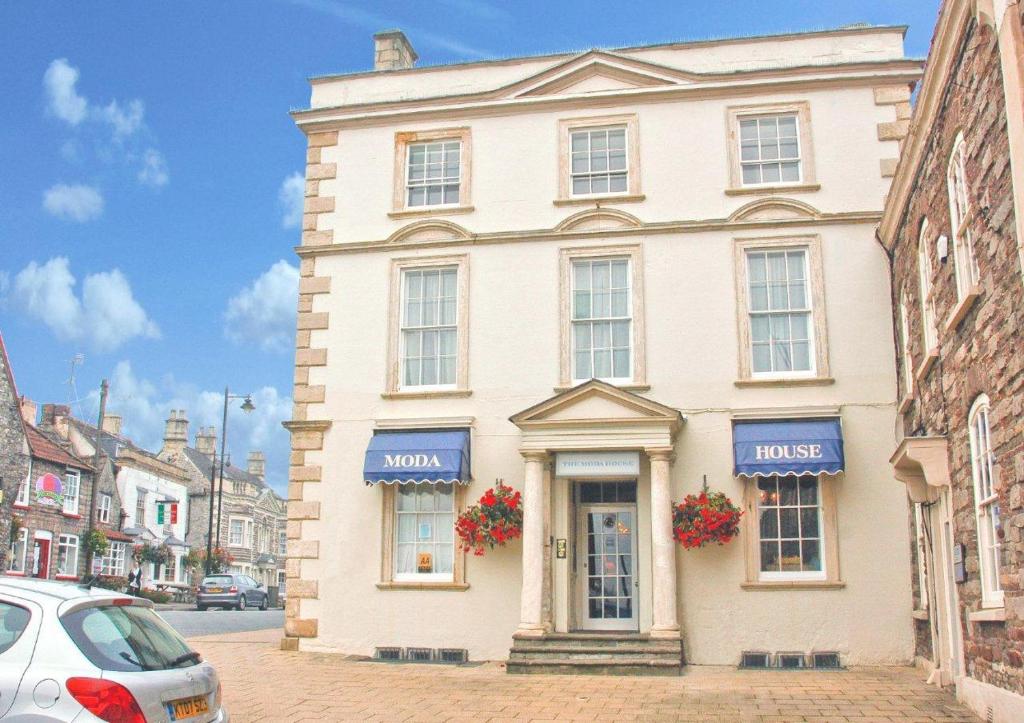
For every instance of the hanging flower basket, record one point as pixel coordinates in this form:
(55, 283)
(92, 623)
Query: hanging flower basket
(494, 520)
(709, 517)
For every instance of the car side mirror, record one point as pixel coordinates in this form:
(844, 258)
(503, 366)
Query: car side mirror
(259, 585)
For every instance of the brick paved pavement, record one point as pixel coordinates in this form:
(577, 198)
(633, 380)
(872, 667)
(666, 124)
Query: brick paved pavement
(262, 683)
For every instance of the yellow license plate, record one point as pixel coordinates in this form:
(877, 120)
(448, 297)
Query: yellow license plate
(189, 707)
(214, 589)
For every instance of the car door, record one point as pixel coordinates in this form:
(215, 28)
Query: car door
(19, 629)
(255, 594)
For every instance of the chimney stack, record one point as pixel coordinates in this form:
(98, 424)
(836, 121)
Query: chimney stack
(112, 423)
(257, 464)
(175, 432)
(206, 441)
(393, 51)
(28, 410)
(55, 416)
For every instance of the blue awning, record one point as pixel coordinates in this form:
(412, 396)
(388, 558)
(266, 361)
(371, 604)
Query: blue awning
(782, 447)
(415, 457)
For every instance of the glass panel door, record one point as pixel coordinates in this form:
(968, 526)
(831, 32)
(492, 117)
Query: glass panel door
(608, 559)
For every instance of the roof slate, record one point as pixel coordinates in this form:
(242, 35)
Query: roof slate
(203, 464)
(45, 447)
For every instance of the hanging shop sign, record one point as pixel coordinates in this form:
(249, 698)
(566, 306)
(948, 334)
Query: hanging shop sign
(597, 464)
(50, 491)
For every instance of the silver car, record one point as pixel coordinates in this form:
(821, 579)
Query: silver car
(229, 590)
(73, 653)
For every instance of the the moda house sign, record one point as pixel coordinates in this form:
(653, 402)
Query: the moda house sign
(597, 464)
(411, 461)
(764, 452)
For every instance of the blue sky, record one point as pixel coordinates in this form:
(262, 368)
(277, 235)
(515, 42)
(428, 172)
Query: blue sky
(147, 187)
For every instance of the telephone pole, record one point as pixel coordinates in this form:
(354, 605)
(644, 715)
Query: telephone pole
(104, 387)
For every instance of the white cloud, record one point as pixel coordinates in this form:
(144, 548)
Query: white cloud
(154, 169)
(105, 317)
(264, 312)
(79, 203)
(144, 406)
(124, 121)
(63, 99)
(291, 196)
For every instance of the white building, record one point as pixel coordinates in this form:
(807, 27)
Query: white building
(635, 261)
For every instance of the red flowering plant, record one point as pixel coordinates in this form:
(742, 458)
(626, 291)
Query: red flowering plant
(705, 518)
(494, 520)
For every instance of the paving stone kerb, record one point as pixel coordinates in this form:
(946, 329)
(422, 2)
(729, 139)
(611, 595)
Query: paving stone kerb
(264, 683)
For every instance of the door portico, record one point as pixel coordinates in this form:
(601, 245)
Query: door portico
(595, 417)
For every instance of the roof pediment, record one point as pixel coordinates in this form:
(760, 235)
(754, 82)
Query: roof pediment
(596, 71)
(596, 402)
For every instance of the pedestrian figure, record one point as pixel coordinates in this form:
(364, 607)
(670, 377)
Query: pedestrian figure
(135, 579)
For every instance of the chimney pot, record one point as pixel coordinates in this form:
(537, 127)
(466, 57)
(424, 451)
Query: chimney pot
(175, 432)
(112, 423)
(206, 441)
(29, 409)
(393, 51)
(256, 464)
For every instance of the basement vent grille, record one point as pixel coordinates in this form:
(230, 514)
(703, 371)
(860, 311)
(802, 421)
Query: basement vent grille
(826, 660)
(791, 660)
(419, 655)
(452, 655)
(388, 654)
(755, 659)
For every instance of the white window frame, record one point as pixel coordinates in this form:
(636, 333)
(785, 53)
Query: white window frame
(805, 147)
(72, 480)
(405, 327)
(610, 320)
(171, 568)
(241, 533)
(807, 310)
(282, 542)
(444, 181)
(24, 498)
(908, 362)
(589, 132)
(112, 563)
(929, 330)
(140, 508)
(986, 503)
(811, 575)
(424, 576)
(70, 542)
(104, 507)
(965, 263)
(22, 540)
(761, 162)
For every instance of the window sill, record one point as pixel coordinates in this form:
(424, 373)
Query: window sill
(71, 515)
(623, 387)
(19, 506)
(779, 188)
(431, 394)
(927, 364)
(786, 382)
(987, 615)
(905, 404)
(65, 577)
(432, 211)
(793, 585)
(961, 309)
(410, 585)
(14, 573)
(919, 614)
(587, 200)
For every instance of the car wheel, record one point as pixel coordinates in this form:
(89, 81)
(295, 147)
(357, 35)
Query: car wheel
(263, 603)
(201, 608)
(241, 603)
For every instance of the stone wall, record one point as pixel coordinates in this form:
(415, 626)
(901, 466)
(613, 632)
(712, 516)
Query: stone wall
(983, 351)
(13, 460)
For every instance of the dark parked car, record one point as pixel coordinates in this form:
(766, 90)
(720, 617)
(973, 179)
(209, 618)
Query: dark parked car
(231, 591)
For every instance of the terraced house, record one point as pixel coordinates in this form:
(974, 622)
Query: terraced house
(954, 225)
(606, 278)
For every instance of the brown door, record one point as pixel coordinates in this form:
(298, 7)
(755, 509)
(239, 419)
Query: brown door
(41, 559)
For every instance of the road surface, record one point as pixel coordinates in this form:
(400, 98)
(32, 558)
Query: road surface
(190, 623)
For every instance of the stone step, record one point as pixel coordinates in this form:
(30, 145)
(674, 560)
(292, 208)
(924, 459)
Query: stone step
(581, 652)
(618, 666)
(596, 640)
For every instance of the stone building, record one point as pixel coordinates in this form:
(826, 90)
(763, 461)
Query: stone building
(251, 514)
(14, 452)
(953, 228)
(606, 278)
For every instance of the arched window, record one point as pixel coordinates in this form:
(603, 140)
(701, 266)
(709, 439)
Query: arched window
(986, 503)
(964, 263)
(924, 272)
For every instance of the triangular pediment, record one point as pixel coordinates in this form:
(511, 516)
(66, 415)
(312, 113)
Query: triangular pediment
(596, 402)
(597, 71)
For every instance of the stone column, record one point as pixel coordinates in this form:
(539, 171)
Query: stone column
(532, 614)
(664, 624)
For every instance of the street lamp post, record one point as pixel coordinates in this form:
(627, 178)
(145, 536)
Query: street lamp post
(247, 406)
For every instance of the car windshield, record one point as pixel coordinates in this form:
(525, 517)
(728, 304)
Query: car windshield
(217, 580)
(13, 621)
(127, 638)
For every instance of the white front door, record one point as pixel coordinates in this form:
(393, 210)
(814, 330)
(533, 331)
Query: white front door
(607, 557)
(947, 626)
